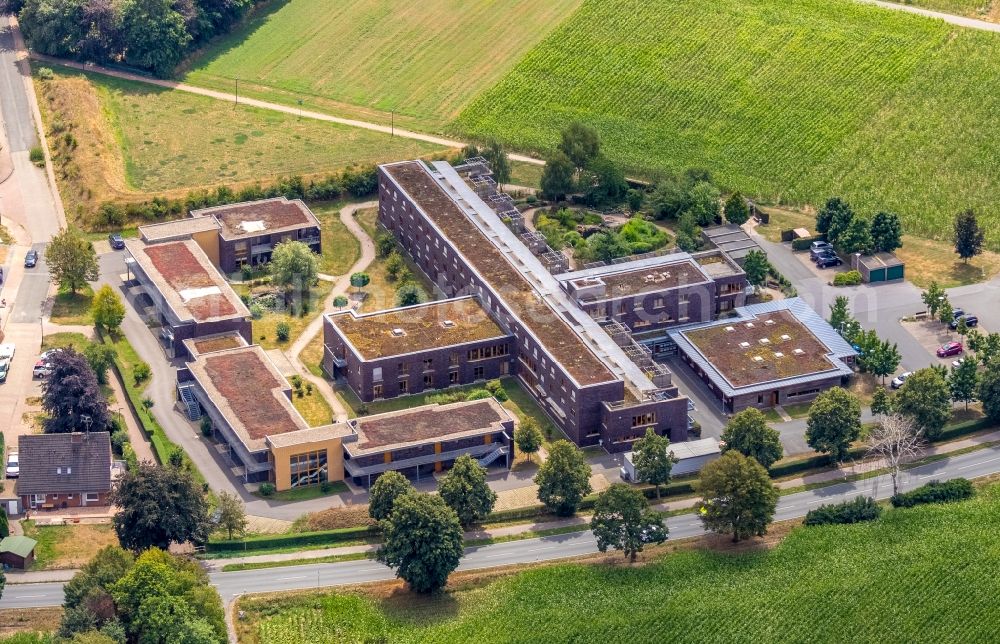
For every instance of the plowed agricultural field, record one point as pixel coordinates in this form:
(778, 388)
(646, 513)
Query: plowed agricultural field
(791, 100)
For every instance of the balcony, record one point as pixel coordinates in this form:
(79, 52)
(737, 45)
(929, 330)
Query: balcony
(311, 240)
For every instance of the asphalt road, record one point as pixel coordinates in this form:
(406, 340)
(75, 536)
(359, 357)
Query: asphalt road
(13, 101)
(232, 584)
(33, 291)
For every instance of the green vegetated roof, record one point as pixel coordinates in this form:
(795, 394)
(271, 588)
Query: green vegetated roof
(20, 546)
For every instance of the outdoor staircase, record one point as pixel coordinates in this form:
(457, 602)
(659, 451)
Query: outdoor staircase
(488, 460)
(190, 402)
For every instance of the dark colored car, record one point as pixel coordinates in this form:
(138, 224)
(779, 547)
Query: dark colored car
(970, 321)
(827, 260)
(949, 349)
(116, 241)
(31, 259)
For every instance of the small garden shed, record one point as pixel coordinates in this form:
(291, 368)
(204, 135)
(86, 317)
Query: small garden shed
(17, 552)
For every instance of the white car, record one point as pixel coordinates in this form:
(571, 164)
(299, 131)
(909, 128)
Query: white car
(898, 381)
(42, 369)
(4, 370)
(13, 469)
(6, 351)
(958, 363)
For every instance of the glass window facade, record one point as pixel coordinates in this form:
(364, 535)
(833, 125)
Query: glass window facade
(308, 469)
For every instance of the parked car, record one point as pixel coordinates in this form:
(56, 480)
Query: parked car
(970, 321)
(828, 261)
(42, 369)
(48, 354)
(13, 469)
(957, 313)
(949, 349)
(818, 247)
(898, 381)
(31, 258)
(958, 363)
(116, 241)
(7, 351)
(4, 369)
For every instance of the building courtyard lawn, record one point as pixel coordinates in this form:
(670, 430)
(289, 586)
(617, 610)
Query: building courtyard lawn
(313, 406)
(67, 546)
(265, 329)
(340, 248)
(923, 574)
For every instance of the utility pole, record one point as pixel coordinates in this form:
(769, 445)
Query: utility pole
(237, 94)
(392, 126)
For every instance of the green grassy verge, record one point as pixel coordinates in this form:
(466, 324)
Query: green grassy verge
(309, 492)
(260, 565)
(797, 102)
(73, 308)
(790, 593)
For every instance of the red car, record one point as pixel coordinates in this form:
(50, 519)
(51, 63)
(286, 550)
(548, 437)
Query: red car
(949, 349)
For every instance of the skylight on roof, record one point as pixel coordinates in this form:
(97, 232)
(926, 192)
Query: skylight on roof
(798, 352)
(785, 336)
(730, 329)
(765, 341)
(768, 322)
(758, 359)
(745, 345)
(448, 324)
(398, 333)
(778, 354)
(749, 325)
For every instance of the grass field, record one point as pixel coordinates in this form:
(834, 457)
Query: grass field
(926, 574)
(367, 58)
(786, 100)
(70, 308)
(67, 546)
(982, 9)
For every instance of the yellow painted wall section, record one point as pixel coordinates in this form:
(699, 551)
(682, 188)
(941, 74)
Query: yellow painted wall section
(282, 456)
(209, 242)
(438, 466)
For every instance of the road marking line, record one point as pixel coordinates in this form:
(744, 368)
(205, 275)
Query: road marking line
(290, 578)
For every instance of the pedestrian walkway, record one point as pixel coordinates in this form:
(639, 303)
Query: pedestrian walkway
(778, 409)
(39, 576)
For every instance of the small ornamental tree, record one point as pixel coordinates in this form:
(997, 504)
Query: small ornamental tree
(384, 492)
(882, 359)
(72, 260)
(528, 437)
(652, 459)
(963, 381)
(410, 294)
(563, 479)
(422, 540)
(969, 236)
(834, 423)
(933, 297)
(72, 397)
(946, 313)
(622, 520)
(107, 309)
(340, 301)
(881, 402)
(360, 280)
(749, 434)
(558, 177)
(756, 266)
(232, 514)
(466, 491)
(894, 439)
(100, 356)
(736, 209)
(989, 391)
(738, 497)
(840, 312)
(925, 397)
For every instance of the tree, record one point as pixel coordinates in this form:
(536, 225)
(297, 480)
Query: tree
(72, 397)
(382, 497)
(294, 265)
(528, 437)
(466, 491)
(840, 312)
(703, 199)
(989, 391)
(886, 232)
(422, 540)
(881, 402)
(100, 356)
(882, 358)
(107, 309)
(340, 301)
(738, 497)
(563, 479)
(159, 506)
(933, 297)
(968, 235)
(688, 233)
(736, 209)
(580, 143)
(496, 157)
(71, 259)
(834, 208)
(756, 266)
(652, 460)
(925, 398)
(622, 520)
(410, 294)
(963, 381)
(946, 313)
(557, 177)
(156, 35)
(360, 280)
(232, 514)
(962, 327)
(669, 199)
(893, 439)
(834, 423)
(855, 237)
(749, 434)
(385, 244)
(97, 575)
(605, 183)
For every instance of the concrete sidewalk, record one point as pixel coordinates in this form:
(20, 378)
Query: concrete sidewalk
(39, 576)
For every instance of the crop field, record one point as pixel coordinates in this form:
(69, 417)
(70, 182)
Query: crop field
(929, 574)
(788, 100)
(423, 60)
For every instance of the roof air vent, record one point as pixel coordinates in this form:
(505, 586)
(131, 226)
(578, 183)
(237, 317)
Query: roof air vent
(758, 359)
(749, 325)
(768, 322)
(448, 324)
(729, 329)
(798, 352)
(786, 337)
(778, 354)
(745, 345)
(765, 341)
(398, 333)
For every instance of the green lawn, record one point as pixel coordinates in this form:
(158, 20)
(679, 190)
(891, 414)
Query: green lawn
(313, 407)
(367, 58)
(340, 248)
(927, 574)
(785, 100)
(265, 330)
(67, 546)
(309, 492)
(172, 139)
(73, 308)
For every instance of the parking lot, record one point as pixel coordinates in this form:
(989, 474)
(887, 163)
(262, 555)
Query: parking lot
(932, 334)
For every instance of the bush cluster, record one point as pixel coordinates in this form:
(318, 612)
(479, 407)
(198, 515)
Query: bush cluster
(860, 509)
(850, 278)
(935, 492)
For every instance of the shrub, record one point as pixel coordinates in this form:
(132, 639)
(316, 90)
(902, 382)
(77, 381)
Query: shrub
(296, 381)
(860, 509)
(496, 388)
(37, 156)
(118, 441)
(45, 73)
(256, 311)
(147, 403)
(283, 332)
(309, 388)
(266, 489)
(850, 278)
(296, 539)
(805, 242)
(325, 487)
(141, 373)
(935, 492)
(206, 426)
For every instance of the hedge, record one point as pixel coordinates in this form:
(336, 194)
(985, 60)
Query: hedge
(803, 243)
(860, 509)
(268, 542)
(849, 278)
(935, 492)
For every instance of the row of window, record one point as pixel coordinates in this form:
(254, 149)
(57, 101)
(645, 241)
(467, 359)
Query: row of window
(403, 385)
